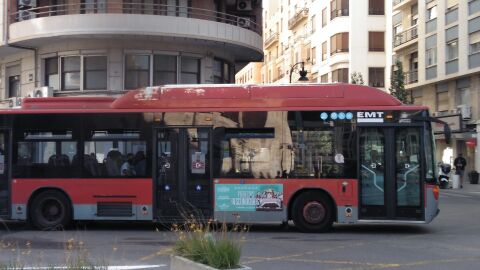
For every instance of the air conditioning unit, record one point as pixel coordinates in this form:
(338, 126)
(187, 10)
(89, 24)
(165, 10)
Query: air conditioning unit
(454, 111)
(243, 22)
(465, 111)
(27, 3)
(24, 15)
(436, 114)
(41, 92)
(15, 102)
(244, 5)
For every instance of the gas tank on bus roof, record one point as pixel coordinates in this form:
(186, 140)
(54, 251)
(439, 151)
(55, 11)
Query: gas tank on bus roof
(254, 96)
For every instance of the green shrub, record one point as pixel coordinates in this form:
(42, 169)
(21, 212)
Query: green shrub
(222, 252)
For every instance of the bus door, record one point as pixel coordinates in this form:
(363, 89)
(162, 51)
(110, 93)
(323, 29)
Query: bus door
(391, 178)
(4, 171)
(182, 173)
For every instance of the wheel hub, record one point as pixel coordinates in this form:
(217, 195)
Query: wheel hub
(51, 210)
(314, 212)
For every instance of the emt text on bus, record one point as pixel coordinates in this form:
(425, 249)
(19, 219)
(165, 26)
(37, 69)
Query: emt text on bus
(313, 154)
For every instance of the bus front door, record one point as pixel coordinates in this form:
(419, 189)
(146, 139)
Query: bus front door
(4, 172)
(391, 178)
(182, 167)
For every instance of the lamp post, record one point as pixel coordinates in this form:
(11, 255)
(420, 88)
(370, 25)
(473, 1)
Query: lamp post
(302, 72)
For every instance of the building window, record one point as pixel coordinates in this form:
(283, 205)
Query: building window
(137, 71)
(431, 57)
(324, 17)
(376, 41)
(164, 69)
(376, 77)
(340, 75)
(221, 71)
(431, 13)
(190, 70)
(314, 55)
(452, 50)
(417, 95)
(339, 43)
(71, 73)
(324, 51)
(463, 91)
(442, 97)
(314, 23)
(51, 72)
(13, 84)
(414, 16)
(324, 78)
(376, 7)
(473, 7)
(95, 73)
(474, 41)
(339, 8)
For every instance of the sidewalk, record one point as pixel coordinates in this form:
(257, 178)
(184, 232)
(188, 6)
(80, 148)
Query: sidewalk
(467, 187)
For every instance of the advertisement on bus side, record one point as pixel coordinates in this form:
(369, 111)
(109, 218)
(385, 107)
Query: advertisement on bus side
(248, 197)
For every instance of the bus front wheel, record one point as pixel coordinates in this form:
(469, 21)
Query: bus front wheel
(50, 210)
(312, 212)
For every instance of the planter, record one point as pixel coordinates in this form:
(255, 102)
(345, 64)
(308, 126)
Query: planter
(181, 263)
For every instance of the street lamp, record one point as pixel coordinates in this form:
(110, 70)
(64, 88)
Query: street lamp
(302, 72)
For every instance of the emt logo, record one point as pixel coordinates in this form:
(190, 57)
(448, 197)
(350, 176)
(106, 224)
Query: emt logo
(370, 117)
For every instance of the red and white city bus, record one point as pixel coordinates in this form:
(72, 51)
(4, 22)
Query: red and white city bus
(314, 154)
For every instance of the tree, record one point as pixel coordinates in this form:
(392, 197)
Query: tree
(397, 84)
(356, 78)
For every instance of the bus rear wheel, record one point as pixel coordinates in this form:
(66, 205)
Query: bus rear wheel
(312, 212)
(50, 210)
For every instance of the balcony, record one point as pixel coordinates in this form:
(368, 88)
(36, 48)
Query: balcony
(339, 13)
(297, 18)
(397, 4)
(405, 36)
(271, 39)
(411, 77)
(118, 19)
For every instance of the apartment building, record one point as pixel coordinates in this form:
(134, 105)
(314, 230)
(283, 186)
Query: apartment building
(438, 44)
(80, 47)
(332, 38)
(250, 74)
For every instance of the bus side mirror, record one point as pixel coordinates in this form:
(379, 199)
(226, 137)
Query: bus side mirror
(448, 133)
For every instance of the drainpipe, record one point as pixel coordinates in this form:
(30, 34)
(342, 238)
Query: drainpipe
(6, 32)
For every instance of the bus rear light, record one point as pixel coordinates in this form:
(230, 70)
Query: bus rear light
(436, 192)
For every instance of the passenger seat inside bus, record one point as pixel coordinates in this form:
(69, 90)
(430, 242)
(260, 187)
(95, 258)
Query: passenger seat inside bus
(113, 163)
(58, 165)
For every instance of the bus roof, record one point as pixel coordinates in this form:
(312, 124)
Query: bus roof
(224, 97)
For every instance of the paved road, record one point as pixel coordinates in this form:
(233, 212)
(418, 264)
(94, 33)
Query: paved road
(452, 241)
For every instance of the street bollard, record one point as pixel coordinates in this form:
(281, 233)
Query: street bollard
(456, 181)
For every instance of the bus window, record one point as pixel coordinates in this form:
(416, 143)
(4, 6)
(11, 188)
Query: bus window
(248, 153)
(115, 154)
(46, 154)
(321, 149)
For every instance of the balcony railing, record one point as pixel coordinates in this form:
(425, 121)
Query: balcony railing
(411, 77)
(297, 17)
(338, 13)
(271, 39)
(405, 36)
(127, 7)
(396, 2)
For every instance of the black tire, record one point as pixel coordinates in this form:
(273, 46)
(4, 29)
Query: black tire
(51, 210)
(312, 212)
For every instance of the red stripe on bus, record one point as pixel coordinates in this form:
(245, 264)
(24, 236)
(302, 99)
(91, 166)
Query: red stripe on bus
(88, 191)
